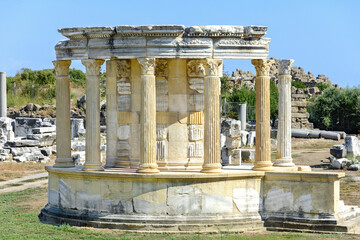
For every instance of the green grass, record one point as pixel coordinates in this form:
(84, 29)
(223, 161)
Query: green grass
(19, 220)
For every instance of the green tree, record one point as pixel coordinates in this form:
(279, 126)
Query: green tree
(338, 109)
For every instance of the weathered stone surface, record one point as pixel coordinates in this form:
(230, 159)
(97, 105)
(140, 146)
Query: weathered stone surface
(78, 145)
(338, 151)
(88, 202)
(235, 129)
(353, 167)
(248, 154)
(251, 138)
(77, 127)
(339, 163)
(352, 145)
(235, 157)
(66, 196)
(24, 126)
(212, 204)
(117, 207)
(224, 156)
(247, 200)
(123, 132)
(184, 200)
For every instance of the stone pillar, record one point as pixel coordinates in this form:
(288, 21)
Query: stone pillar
(3, 105)
(111, 114)
(148, 117)
(242, 116)
(212, 160)
(262, 145)
(63, 130)
(283, 154)
(92, 147)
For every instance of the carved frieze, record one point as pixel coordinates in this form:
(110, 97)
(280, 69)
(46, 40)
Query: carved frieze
(123, 68)
(196, 132)
(161, 69)
(197, 84)
(161, 150)
(161, 132)
(124, 102)
(195, 68)
(195, 149)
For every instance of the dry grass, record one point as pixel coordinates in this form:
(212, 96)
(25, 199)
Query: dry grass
(312, 144)
(12, 170)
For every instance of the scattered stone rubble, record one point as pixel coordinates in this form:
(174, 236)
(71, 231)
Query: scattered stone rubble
(236, 144)
(346, 156)
(247, 78)
(300, 115)
(26, 139)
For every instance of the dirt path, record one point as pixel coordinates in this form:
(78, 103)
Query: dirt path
(19, 184)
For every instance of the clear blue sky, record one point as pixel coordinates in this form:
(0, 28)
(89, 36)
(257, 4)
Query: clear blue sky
(322, 36)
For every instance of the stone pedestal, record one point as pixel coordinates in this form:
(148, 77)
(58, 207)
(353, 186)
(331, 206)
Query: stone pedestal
(148, 117)
(262, 145)
(283, 154)
(63, 130)
(111, 114)
(212, 160)
(3, 104)
(92, 158)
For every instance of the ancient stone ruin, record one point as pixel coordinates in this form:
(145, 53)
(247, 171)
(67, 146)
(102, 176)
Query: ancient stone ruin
(163, 170)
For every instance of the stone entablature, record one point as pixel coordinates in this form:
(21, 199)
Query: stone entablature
(163, 41)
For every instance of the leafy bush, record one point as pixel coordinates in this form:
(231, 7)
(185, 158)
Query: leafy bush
(338, 109)
(244, 94)
(77, 76)
(322, 86)
(298, 84)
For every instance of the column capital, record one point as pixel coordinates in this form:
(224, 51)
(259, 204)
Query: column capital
(147, 66)
(92, 66)
(62, 67)
(285, 66)
(262, 66)
(212, 66)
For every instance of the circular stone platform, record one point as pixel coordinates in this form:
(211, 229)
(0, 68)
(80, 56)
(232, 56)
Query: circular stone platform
(164, 202)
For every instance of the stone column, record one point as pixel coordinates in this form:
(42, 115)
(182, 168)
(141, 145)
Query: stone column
(212, 160)
(262, 145)
(3, 105)
(111, 114)
(283, 154)
(148, 117)
(92, 147)
(63, 130)
(242, 114)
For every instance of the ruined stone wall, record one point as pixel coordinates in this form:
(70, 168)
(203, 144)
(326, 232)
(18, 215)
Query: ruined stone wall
(300, 115)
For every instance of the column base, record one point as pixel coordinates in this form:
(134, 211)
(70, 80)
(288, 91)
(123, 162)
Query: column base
(64, 163)
(284, 162)
(110, 162)
(148, 168)
(265, 166)
(92, 167)
(211, 168)
(122, 163)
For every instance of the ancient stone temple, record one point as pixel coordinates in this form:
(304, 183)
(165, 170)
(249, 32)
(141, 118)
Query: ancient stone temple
(163, 168)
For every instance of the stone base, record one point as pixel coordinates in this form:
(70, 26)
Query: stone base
(234, 200)
(155, 224)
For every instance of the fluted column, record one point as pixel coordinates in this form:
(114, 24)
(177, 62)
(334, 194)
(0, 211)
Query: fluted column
(92, 146)
(212, 161)
(283, 154)
(63, 131)
(262, 144)
(111, 114)
(148, 117)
